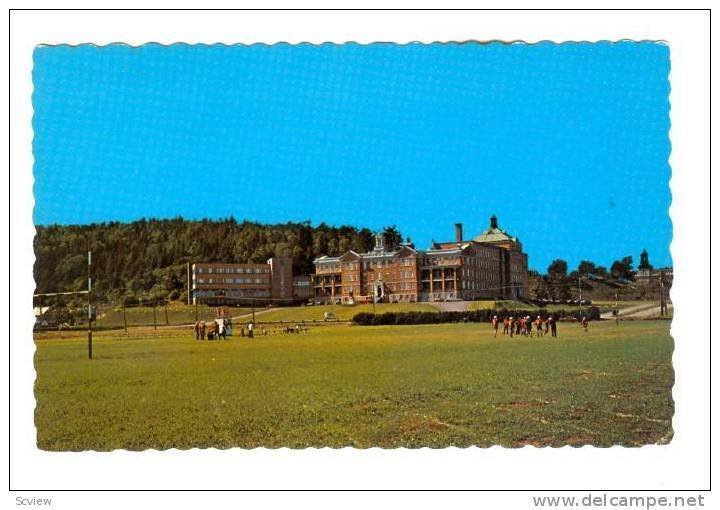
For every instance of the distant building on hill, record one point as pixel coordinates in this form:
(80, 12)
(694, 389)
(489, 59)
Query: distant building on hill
(225, 283)
(491, 265)
(654, 276)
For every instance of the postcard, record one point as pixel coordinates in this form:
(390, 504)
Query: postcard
(352, 245)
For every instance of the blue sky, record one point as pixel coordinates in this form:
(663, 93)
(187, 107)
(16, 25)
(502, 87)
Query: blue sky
(567, 144)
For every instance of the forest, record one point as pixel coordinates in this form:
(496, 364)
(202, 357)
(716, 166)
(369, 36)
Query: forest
(146, 259)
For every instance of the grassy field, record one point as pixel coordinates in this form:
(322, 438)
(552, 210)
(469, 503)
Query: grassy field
(434, 385)
(342, 312)
(143, 315)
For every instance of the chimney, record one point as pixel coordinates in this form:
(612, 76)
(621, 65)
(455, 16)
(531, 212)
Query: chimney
(493, 221)
(458, 233)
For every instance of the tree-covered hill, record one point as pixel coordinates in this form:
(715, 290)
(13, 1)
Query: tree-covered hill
(147, 258)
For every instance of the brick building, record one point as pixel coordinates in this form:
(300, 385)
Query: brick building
(491, 265)
(223, 283)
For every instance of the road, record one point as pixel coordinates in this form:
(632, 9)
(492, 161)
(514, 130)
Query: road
(637, 312)
(451, 306)
(647, 312)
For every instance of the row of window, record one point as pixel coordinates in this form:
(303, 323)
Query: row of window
(473, 285)
(367, 264)
(372, 264)
(237, 293)
(438, 274)
(440, 261)
(480, 274)
(392, 287)
(255, 281)
(230, 270)
(484, 263)
(407, 273)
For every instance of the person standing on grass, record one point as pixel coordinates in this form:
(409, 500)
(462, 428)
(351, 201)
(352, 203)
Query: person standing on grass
(553, 325)
(538, 326)
(585, 323)
(251, 327)
(548, 320)
(511, 323)
(495, 324)
(506, 325)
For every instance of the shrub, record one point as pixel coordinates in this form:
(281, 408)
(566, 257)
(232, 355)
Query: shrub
(407, 318)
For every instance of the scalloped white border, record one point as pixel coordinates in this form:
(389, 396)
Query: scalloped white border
(682, 464)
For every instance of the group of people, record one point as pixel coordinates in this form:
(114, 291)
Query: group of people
(212, 330)
(525, 326)
(217, 329)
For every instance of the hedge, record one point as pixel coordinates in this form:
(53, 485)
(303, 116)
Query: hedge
(406, 318)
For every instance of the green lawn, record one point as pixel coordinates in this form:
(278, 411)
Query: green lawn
(143, 315)
(388, 386)
(342, 312)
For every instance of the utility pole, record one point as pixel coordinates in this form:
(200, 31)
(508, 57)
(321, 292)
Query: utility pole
(89, 302)
(167, 321)
(124, 316)
(188, 284)
(196, 307)
(252, 303)
(617, 310)
(663, 304)
(579, 294)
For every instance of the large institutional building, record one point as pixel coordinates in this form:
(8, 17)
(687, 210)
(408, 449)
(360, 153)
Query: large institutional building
(491, 265)
(220, 283)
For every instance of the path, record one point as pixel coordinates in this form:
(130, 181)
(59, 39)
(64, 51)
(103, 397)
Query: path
(625, 312)
(647, 312)
(451, 306)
